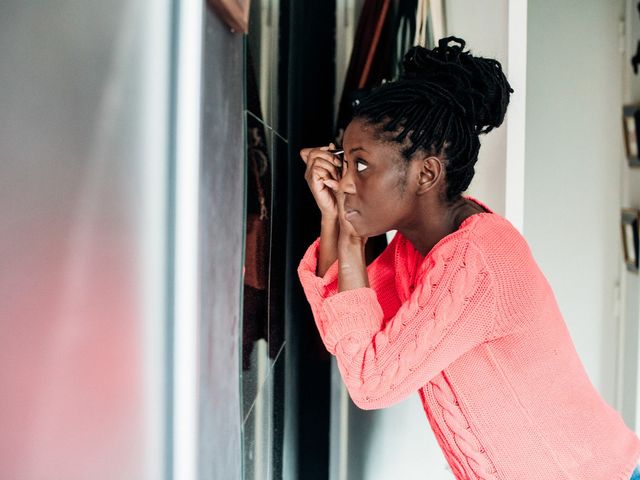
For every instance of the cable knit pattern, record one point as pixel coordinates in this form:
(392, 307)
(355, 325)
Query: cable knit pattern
(475, 329)
(469, 448)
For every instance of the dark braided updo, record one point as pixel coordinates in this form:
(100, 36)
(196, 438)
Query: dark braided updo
(443, 99)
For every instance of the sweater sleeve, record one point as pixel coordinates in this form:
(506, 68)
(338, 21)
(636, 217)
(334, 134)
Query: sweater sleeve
(381, 275)
(451, 311)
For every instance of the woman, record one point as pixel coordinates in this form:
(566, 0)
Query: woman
(455, 308)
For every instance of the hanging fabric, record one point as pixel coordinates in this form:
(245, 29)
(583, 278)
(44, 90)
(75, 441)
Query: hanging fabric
(370, 58)
(436, 13)
(405, 29)
(386, 29)
(422, 12)
(374, 44)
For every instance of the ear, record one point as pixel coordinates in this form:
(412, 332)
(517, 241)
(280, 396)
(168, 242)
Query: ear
(430, 171)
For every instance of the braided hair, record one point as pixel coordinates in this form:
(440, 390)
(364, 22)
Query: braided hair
(442, 101)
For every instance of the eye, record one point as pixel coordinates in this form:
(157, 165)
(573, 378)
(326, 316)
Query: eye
(360, 163)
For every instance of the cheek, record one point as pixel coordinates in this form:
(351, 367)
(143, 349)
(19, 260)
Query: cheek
(382, 203)
(381, 190)
(402, 177)
(393, 187)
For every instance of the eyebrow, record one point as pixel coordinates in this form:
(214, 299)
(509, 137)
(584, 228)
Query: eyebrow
(355, 149)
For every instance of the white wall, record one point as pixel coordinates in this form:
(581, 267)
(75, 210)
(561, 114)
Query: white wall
(572, 169)
(630, 282)
(483, 24)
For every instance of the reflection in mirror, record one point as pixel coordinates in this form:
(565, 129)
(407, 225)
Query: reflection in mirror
(263, 342)
(263, 302)
(256, 266)
(280, 154)
(255, 363)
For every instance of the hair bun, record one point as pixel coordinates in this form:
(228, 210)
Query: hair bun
(474, 86)
(420, 61)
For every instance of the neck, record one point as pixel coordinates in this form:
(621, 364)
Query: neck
(435, 221)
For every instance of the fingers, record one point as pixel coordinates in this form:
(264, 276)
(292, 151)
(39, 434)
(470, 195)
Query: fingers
(306, 152)
(321, 168)
(317, 158)
(332, 184)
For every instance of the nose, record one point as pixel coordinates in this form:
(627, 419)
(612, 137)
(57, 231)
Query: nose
(346, 183)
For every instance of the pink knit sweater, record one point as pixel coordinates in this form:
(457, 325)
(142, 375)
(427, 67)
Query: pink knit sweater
(475, 330)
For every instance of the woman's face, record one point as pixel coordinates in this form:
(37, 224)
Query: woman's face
(374, 180)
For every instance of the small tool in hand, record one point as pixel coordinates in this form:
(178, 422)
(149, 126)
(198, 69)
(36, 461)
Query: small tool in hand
(338, 153)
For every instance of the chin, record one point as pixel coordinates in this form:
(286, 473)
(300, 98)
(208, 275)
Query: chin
(365, 230)
(368, 232)
(376, 233)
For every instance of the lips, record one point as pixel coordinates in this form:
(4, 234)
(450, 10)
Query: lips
(349, 212)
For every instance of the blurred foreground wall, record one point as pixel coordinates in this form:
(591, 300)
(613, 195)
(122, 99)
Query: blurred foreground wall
(83, 200)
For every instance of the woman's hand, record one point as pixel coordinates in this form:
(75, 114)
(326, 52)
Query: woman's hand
(322, 176)
(348, 238)
(352, 266)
